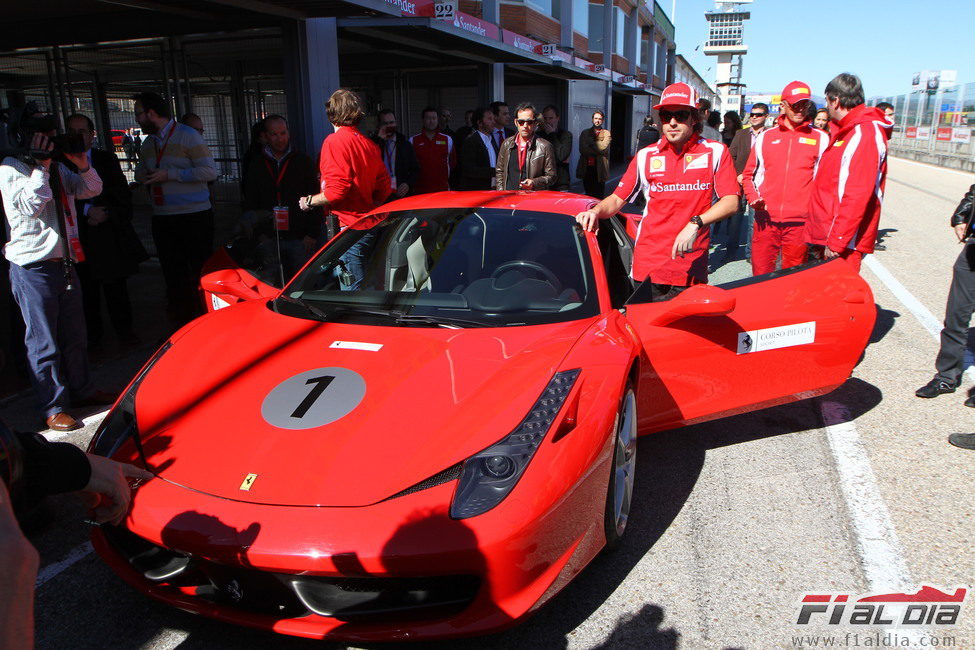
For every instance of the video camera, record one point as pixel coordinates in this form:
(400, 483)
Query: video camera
(19, 127)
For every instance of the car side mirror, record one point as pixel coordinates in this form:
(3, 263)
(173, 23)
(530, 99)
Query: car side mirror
(229, 283)
(699, 300)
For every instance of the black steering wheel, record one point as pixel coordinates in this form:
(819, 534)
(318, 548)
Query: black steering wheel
(528, 264)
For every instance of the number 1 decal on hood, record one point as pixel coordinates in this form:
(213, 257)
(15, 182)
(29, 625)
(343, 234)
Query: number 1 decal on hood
(313, 398)
(776, 337)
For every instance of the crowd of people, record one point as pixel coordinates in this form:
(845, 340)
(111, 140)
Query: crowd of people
(808, 185)
(808, 193)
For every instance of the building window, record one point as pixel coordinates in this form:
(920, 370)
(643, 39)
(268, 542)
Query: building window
(644, 55)
(619, 40)
(542, 6)
(580, 16)
(596, 27)
(660, 69)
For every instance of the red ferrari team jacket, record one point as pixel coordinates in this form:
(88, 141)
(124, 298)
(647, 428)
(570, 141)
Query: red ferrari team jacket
(848, 191)
(437, 157)
(781, 168)
(354, 178)
(677, 187)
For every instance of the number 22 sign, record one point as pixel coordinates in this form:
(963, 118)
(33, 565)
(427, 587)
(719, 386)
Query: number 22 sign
(444, 10)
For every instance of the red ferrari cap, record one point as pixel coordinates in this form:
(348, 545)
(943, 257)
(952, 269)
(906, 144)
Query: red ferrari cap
(796, 91)
(678, 95)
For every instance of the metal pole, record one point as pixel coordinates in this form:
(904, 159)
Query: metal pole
(59, 79)
(51, 83)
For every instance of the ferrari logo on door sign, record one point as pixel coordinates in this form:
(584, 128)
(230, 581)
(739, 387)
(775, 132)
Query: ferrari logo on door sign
(773, 338)
(248, 482)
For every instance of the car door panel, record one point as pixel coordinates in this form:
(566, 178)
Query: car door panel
(785, 336)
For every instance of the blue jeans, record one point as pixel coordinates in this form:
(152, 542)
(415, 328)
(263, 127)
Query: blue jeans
(354, 260)
(56, 340)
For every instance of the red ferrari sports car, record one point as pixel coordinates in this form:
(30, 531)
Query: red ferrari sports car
(431, 429)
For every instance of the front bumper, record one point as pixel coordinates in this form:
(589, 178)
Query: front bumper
(414, 573)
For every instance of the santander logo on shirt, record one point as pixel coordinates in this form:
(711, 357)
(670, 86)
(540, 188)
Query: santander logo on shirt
(696, 186)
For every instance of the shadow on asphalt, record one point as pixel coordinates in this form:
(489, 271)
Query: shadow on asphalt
(885, 323)
(882, 234)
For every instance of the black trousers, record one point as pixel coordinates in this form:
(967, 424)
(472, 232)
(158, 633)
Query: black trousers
(592, 185)
(117, 303)
(184, 242)
(958, 314)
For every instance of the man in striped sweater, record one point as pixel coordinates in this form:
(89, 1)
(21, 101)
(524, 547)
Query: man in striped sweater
(175, 166)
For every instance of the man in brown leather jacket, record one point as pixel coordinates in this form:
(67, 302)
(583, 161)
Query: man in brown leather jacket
(525, 161)
(593, 167)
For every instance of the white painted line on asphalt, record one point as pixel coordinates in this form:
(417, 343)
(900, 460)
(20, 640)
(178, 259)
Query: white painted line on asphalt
(880, 552)
(922, 313)
(51, 570)
(934, 167)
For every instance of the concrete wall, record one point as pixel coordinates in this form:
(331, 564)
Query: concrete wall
(948, 160)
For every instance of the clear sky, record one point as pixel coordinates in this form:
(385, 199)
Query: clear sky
(884, 43)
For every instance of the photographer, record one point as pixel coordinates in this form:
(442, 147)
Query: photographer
(112, 248)
(33, 467)
(39, 206)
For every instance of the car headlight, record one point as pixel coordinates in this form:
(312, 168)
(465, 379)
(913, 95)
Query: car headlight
(120, 424)
(488, 477)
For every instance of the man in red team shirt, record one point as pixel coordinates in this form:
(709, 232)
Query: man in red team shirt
(353, 176)
(679, 175)
(848, 192)
(436, 154)
(778, 179)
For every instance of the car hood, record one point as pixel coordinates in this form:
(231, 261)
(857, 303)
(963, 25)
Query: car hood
(255, 406)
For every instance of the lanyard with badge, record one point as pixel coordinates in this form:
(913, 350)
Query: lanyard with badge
(157, 190)
(389, 155)
(68, 225)
(280, 210)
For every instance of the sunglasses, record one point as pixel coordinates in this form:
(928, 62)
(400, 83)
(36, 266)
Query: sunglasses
(799, 106)
(757, 114)
(680, 116)
(524, 122)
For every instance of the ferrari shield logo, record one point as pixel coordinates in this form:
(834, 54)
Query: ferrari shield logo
(696, 161)
(248, 482)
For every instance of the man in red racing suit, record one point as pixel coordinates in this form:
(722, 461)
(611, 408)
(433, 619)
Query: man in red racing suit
(778, 179)
(848, 192)
(689, 183)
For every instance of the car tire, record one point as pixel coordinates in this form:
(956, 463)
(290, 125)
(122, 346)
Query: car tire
(622, 471)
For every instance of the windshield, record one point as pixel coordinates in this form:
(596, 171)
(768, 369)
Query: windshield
(450, 267)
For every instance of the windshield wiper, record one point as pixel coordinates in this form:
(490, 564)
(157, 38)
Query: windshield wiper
(445, 321)
(401, 317)
(397, 316)
(311, 309)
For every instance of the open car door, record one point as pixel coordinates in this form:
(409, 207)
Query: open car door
(714, 351)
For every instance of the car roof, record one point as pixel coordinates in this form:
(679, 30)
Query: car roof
(553, 202)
